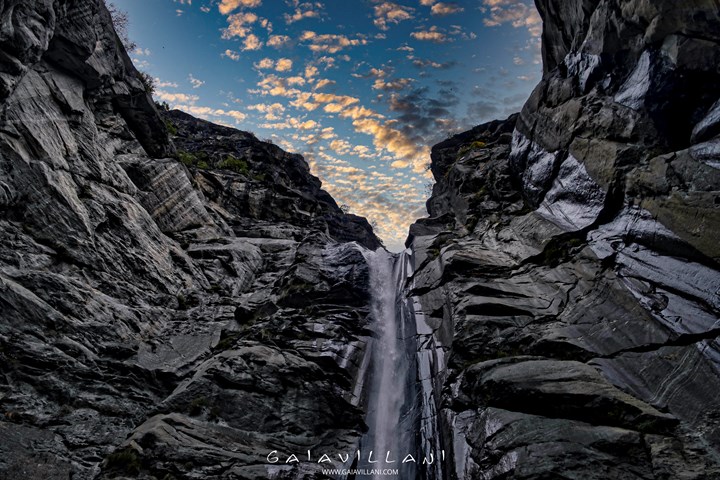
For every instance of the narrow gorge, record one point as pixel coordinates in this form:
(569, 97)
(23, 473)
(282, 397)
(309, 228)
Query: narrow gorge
(182, 301)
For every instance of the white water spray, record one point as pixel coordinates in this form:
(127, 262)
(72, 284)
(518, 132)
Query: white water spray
(392, 396)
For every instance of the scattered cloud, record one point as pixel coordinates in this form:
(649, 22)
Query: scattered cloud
(311, 71)
(278, 41)
(444, 9)
(228, 6)
(388, 12)
(196, 83)
(324, 83)
(209, 113)
(176, 98)
(231, 55)
(284, 65)
(252, 42)
(407, 152)
(303, 10)
(329, 43)
(272, 111)
(518, 14)
(397, 84)
(433, 34)
(162, 84)
(239, 25)
(424, 63)
(363, 117)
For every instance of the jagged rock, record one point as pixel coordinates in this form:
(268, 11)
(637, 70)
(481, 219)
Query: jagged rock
(576, 270)
(160, 320)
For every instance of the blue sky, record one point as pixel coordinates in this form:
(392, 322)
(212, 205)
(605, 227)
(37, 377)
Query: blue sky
(361, 88)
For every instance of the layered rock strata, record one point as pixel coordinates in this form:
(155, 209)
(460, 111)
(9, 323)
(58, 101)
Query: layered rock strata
(161, 320)
(568, 269)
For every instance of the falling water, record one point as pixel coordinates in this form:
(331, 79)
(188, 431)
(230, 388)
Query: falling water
(393, 414)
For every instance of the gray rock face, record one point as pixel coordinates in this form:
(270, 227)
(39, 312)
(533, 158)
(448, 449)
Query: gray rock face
(568, 270)
(159, 320)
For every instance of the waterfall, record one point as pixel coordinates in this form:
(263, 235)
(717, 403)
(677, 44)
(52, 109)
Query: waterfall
(392, 416)
(400, 419)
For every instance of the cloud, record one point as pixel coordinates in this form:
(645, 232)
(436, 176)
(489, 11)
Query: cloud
(276, 87)
(209, 113)
(330, 43)
(272, 111)
(291, 123)
(162, 84)
(342, 100)
(424, 63)
(432, 35)
(356, 112)
(426, 116)
(278, 41)
(391, 202)
(231, 55)
(284, 65)
(388, 12)
(176, 97)
(238, 25)
(188, 103)
(252, 42)
(372, 73)
(295, 80)
(323, 83)
(482, 110)
(228, 6)
(340, 146)
(444, 9)
(303, 10)
(397, 84)
(196, 83)
(265, 64)
(311, 71)
(407, 152)
(518, 14)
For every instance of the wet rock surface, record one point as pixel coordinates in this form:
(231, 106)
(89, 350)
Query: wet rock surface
(567, 273)
(161, 319)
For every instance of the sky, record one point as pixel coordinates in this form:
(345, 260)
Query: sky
(361, 88)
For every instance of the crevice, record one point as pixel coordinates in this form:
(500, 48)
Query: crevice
(684, 340)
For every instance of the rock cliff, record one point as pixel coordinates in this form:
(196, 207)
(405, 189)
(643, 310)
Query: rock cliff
(568, 271)
(178, 299)
(160, 320)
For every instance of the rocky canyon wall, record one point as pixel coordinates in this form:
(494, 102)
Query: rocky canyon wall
(160, 321)
(569, 266)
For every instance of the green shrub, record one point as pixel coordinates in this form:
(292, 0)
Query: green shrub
(203, 164)
(433, 252)
(476, 145)
(236, 165)
(171, 128)
(228, 342)
(125, 461)
(148, 82)
(187, 158)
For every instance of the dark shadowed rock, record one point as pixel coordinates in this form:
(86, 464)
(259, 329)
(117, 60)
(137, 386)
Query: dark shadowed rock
(160, 320)
(570, 279)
